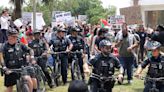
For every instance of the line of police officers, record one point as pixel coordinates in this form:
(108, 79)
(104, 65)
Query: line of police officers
(15, 55)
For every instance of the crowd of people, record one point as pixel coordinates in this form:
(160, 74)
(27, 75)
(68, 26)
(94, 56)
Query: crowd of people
(104, 49)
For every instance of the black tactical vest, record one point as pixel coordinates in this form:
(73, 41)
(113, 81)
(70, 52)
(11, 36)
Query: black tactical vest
(38, 47)
(156, 68)
(77, 43)
(59, 44)
(104, 67)
(14, 56)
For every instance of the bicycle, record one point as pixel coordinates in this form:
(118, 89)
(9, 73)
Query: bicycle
(57, 69)
(75, 68)
(22, 84)
(102, 80)
(40, 77)
(154, 81)
(49, 69)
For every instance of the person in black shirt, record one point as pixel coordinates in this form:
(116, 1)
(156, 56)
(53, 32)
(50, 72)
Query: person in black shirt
(100, 37)
(104, 64)
(156, 67)
(15, 56)
(142, 34)
(78, 45)
(61, 43)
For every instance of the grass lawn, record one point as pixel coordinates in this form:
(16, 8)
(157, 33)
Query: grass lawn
(136, 86)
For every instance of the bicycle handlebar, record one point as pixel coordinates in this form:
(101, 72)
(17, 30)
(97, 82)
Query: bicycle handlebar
(101, 78)
(64, 52)
(21, 70)
(154, 79)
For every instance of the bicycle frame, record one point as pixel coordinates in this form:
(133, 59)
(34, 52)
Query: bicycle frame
(153, 81)
(75, 63)
(21, 82)
(102, 81)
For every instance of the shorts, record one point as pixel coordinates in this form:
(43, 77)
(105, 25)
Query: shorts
(11, 79)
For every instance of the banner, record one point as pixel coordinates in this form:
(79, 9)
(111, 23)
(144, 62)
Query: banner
(118, 19)
(28, 17)
(54, 13)
(61, 16)
(82, 17)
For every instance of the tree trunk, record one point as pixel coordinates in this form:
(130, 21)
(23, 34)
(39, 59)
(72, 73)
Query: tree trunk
(18, 9)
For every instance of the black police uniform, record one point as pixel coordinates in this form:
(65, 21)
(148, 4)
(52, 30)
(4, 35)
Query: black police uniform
(61, 44)
(155, 70)
(104, 66)
(78, 45)
(39, 47)
(14, 57)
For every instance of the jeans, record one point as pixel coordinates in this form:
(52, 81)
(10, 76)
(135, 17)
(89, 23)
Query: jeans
(3, 35)
(148, 86)
(127, 63)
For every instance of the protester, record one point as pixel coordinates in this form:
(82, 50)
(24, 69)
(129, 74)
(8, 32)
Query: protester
(4, 20)
(126, 43)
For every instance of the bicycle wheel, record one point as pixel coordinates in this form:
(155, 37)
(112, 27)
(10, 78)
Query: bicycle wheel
(153, 90)
(41, 80)
(57, 73)
(51, 72)
(75, 71)
(18, 87)
(25, 88)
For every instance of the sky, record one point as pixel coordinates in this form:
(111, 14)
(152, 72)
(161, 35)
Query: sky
(106, 3)
(117, 3)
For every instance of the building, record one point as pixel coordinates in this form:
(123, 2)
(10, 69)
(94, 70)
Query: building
(147, 12)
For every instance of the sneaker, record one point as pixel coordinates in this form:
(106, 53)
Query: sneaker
(130, 81)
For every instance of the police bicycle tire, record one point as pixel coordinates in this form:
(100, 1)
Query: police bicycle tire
(153, 90)
(18, 86)
(98, 78)
(25, 88)
(41, 79)
(21, 84)
(75, 70)
(154, 80)
(57, 73)
(51, 72)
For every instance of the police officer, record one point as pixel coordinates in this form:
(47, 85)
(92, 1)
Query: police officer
(156, 66)
(78, 45)
(14, 56)
(104, 64)
(40, 48)
(61, 43)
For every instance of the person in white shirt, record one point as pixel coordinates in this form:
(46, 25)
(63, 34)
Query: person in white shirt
(4, 21)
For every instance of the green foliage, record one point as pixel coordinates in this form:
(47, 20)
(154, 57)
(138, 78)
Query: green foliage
(92, 8)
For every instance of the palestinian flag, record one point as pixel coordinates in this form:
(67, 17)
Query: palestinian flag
(104, 23)
(23, 39)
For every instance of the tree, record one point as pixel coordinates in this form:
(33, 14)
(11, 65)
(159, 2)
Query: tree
(17, 13)
(92, 8)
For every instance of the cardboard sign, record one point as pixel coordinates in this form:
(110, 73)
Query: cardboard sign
(118, 19)
(18, 23)
(28, 17)
(82, 17)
